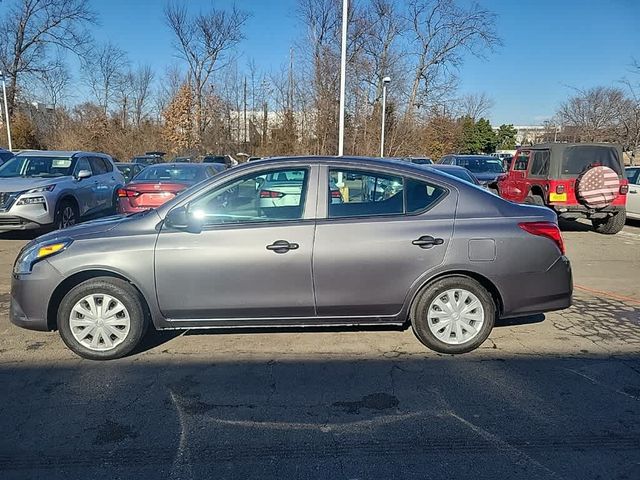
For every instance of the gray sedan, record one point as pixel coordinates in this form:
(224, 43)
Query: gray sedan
(437, 252)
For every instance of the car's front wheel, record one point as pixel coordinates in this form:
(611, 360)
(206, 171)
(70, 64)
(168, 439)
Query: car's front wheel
(453, 315)
(102, 318)
(67, 214)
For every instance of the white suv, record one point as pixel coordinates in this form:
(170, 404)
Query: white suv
(53, 188)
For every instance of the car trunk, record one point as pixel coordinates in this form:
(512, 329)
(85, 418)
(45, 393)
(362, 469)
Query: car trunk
(152, 195)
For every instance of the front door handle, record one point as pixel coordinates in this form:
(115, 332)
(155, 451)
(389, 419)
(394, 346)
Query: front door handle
(427, 241)
(282, 246)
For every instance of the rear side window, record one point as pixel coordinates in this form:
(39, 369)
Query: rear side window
(540, 163)
(98, 165)
(364, 194)
(579, 158)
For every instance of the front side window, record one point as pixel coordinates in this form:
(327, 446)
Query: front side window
(633, 175)
(521, 161)
(278, 195)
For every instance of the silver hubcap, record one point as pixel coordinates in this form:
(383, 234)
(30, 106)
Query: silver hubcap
(67, 217)
(455, 316)
(99, 322)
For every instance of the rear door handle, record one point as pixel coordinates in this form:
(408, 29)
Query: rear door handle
(282, 246)
(427, 241)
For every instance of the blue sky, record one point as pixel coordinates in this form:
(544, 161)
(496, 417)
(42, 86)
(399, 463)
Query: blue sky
(549, 46)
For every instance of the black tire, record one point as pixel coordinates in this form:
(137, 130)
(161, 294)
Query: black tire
(610, 225)
(120, 290)
(534, 200)
(63, 210)
(419, 316)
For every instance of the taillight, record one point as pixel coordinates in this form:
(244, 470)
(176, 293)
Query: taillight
(123, 193)
(335, 194)
(270, 194)
(624, 189)
(559, 188)
(544, 229)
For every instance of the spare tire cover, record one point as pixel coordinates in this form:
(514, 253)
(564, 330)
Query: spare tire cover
(598, 187)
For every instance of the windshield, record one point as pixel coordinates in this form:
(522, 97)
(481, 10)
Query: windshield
(28, 166)
(173, 173)
(481, 165)
(577, 159)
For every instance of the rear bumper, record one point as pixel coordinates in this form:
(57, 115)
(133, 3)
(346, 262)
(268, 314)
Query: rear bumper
(538, 292)
(580, 211)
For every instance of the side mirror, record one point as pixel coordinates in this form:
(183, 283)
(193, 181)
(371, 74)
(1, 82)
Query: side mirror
(180, 219)
(83, 174)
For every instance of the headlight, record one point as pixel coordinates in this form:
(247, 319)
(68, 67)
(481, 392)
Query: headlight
(28, 257)
(48, 188)
(31, 201)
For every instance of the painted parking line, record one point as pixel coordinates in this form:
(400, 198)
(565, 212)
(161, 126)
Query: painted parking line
(604, 293)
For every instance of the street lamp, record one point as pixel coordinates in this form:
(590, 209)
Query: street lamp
(385, 82)
(343, 73)
(6, 110)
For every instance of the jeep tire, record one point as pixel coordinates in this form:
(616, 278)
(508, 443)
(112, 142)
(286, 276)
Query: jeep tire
(611, 224)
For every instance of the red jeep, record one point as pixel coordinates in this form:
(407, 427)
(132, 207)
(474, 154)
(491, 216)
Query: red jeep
(577, 180)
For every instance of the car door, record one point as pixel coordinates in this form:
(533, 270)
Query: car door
(515, 187)
(251, 259)
(84, 188)
(633, 197)
(369, 252)
(102, 188)
(114, 180)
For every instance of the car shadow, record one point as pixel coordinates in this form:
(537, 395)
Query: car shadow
(155, 338)
(573, 226)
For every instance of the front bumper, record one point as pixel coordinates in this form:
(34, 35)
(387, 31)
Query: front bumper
(537, 292)
(30, 295)
(27, 217)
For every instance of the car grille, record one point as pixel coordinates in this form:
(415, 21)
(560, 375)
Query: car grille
(6, 200)
(12, 221)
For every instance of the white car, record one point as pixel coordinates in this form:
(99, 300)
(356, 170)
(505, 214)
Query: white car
(633, 197)
(281, 189)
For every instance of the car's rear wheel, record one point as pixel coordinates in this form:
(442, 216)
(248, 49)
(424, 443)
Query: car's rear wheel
(67, 214)
(102, 318)
(611, 224)
(453, 315)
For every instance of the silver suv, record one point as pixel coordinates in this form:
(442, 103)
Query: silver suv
(54, 188)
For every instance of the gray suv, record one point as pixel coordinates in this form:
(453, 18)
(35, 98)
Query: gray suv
(55, 188)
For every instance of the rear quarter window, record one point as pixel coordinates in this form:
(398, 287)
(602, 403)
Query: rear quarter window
(580, 158)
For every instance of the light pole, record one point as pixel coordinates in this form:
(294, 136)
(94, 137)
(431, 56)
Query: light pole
(6, 110)
(385, 82)
(343, 69)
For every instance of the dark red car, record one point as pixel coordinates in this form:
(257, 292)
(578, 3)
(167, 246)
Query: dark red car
(576, 180)
(159, 183)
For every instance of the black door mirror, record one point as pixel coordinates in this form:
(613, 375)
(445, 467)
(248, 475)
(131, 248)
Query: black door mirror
(180, 219)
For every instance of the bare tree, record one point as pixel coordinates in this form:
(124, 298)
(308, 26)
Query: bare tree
(443, 31)
(141, 80)
(30, 27)
(474, 106)
(104, 69)
(54, 83)
(205, 42)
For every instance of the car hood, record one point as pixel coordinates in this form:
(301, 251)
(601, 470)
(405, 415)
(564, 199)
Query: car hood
(485, 177)
(93, 227)
(20, 184)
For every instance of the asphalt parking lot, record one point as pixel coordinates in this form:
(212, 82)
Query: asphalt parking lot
(549, 396)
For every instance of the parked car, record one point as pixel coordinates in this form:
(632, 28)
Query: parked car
(149, 158)
(5, 155)
(183, 160)
(633, 197)
(485, 168)
(420, 160)
(459, 172)
(575, 180)
(285, 188)
(129, 170)
(225, 160)
(215, 256)
(55, 188)
(157, 184)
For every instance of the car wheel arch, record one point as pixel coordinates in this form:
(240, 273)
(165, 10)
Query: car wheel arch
(537, 190)
(67, 197)
(481, 279)
(76, 279)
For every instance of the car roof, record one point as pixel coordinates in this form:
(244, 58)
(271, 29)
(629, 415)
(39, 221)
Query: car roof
(488, 157)
(562, 146)
(442, 166)
(180, 164)
(57, 153)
